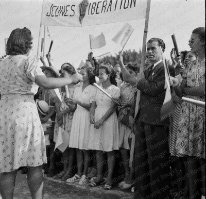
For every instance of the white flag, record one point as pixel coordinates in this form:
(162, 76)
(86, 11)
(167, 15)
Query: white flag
(123, 35)
(168, 105)
(97, 42)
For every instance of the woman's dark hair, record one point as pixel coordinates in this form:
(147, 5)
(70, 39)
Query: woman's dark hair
(91, 76)
(200, 31)
(160, 42)
(109, 71)
(19, 42)
(133, 67)
(69, 68)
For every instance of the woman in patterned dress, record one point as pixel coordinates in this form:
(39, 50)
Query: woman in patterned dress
(21, 134)
(177, 161)
(190, 128)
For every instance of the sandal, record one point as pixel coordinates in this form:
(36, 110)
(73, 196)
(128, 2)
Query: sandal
(121, 184)
(107, 187)
(95, 183)
(75, 178)
(83, 180)
(126, 186)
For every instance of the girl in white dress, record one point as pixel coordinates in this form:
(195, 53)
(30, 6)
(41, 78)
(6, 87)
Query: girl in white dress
(79, 136)
(105, 135)
(64, 122)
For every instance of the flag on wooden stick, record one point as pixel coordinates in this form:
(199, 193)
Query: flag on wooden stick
(97, 42)
(168, 105)
(122, 37)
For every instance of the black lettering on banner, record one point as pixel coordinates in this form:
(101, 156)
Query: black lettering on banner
(93, 8)
(109, 6)
(89, 8)
(116, 5)
(120, 5)
(126, 4)
(56, 11)
(72, 9)
(52, 10)
(49, 13)
(104, 6)
(97, 7)
(60, 11)
(66, 10)
(133, 1)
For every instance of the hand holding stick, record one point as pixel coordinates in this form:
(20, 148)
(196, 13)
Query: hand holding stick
(175, 44)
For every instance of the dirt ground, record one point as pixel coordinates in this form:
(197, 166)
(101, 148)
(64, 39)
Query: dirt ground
(58, 190)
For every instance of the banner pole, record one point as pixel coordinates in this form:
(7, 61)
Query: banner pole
(40, 31)
(44, 40)
(145, 35)
(143, 52)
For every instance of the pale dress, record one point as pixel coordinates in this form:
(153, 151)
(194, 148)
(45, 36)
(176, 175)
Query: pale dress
(22, 141)
(79, 135)
(106, 138)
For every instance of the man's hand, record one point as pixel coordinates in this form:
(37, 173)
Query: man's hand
(174, 81)
(175, 59)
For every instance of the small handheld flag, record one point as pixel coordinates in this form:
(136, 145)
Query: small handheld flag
(97, 42)
(122, 37)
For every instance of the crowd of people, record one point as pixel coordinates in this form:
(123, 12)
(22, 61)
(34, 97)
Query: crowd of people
(85, 126)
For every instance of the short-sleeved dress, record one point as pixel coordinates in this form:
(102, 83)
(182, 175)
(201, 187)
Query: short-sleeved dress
(187, 137)
(22, 141)
(106, 138)
(79, 135)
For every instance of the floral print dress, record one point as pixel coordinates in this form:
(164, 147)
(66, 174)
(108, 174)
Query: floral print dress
(189, 136)
(22, 141)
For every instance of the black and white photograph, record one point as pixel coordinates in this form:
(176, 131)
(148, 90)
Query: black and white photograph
(102, 99)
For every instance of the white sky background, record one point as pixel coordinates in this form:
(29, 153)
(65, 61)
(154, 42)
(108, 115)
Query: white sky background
(72, 44)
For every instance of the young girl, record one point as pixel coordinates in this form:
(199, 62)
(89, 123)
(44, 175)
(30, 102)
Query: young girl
(64, 119)
(81, 124)
(105, 136)
(127, 101)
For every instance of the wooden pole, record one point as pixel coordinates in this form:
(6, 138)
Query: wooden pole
(44, 44)
(39, 38)
(143, 52)
(145, 35)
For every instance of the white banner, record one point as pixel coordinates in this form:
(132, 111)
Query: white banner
(76, 13)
